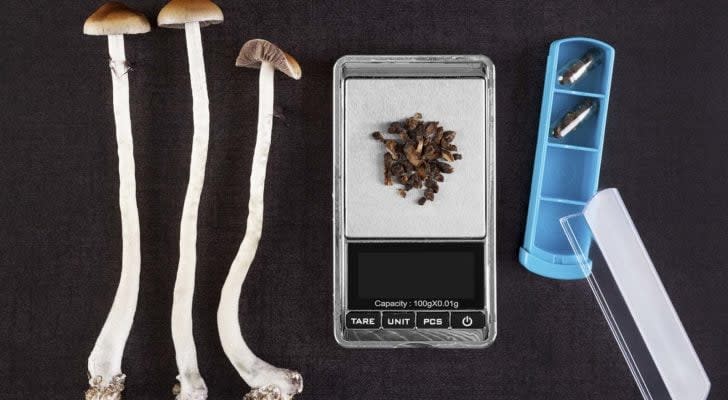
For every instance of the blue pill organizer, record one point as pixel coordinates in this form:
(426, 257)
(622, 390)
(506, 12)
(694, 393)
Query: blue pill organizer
(566, 169)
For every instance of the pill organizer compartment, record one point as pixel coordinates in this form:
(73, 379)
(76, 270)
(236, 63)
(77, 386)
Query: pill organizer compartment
(551, 238)
(567, 178)
(596, 81)
(584, 135)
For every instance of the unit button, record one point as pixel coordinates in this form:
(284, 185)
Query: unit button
(433, 320)
(467, 320)
(363, 320)
(398, 320)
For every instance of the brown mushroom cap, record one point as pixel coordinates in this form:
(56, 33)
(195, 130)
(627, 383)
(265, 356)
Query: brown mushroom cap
(256, 51)
(179, 12)
(114, 18)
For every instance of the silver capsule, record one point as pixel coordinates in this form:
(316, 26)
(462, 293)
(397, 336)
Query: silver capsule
(578, 68)
(574, 118)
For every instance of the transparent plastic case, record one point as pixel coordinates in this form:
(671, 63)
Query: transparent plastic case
(635, 304)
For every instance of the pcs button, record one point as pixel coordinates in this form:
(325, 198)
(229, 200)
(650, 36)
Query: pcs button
(433, 320)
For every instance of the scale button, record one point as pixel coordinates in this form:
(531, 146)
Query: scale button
(363, 320)
(398, 320)
(467, 320)
(433, 320)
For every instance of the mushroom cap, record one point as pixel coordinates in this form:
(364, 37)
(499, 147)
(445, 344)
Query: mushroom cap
(256, 51)
(177, 13)
(114, 18)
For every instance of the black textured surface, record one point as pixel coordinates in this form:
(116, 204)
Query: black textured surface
(59, 221)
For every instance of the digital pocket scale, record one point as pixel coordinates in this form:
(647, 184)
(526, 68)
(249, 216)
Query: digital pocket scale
(407, 275)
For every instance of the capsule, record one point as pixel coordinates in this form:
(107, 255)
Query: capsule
(574, 118)
(577, 69)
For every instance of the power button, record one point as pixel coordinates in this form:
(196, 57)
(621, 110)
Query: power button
(467, 320)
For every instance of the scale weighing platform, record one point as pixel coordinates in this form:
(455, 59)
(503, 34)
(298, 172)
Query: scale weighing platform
(407, 275)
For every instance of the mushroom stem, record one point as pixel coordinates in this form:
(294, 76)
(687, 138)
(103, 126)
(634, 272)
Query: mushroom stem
(192, 386)
(104, 363)
(262, 377)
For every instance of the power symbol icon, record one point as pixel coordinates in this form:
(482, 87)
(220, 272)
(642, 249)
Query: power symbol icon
(467, 320)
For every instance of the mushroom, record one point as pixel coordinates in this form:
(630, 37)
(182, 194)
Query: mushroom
(430, 153)
(190, 15)
(410, 151)
(265, 380)
(388, 169)
(391, 146)
(448, 156)
(106, 381)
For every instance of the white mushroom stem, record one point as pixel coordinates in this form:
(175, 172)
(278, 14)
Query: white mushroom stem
(257, 373)
(192, 386)
(104, 363)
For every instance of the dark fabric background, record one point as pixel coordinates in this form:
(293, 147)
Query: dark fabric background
(59, 222)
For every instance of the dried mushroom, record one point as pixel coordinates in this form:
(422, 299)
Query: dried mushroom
(417, 156)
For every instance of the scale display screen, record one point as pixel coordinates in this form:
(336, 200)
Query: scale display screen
(415, 276)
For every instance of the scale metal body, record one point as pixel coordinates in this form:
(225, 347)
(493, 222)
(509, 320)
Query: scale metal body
(407, 275)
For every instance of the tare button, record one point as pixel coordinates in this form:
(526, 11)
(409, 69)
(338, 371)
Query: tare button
(433, 320)
(363, 320)
(398, 320)
(467, 320)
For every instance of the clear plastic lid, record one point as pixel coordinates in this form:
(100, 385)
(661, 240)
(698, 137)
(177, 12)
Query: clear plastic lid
(634, 302)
